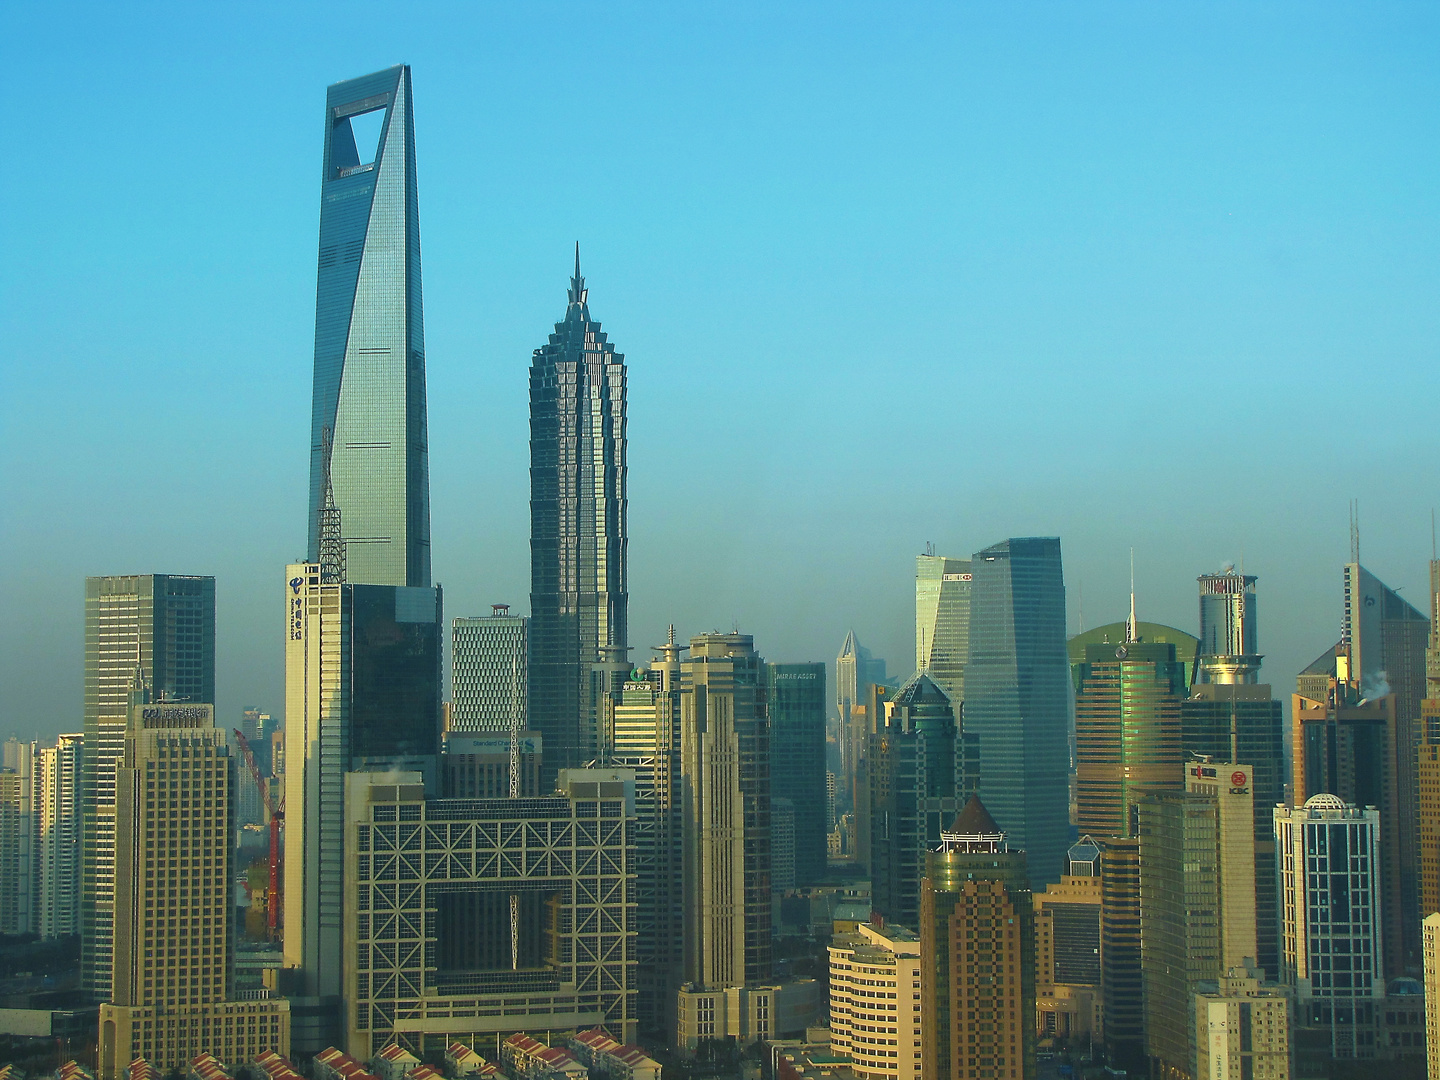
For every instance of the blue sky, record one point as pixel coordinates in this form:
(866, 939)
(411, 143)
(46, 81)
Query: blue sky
(1160, 276)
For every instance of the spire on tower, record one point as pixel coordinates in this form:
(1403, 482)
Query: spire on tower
(1132, 627)
(578, 292)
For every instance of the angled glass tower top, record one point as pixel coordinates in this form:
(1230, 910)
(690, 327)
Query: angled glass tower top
(369, 400)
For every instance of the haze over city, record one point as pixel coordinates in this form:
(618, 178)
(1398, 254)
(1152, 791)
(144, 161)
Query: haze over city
(1135, 277)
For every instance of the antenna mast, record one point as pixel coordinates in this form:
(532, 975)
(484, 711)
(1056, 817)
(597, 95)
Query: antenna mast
(332, 541)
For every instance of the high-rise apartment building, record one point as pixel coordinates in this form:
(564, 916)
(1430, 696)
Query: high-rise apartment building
(1427, 773)
(579, 594)
(465, 919)
(57, 837)
(725, 774)
(362, 691)
(915, 792)
(173, 967)
(1017, 702)
(875, 990)
(368, 433)
(942, 622)
(1197, 916)
(1229, 716)
(977, 940)
(1127, 730)
(489, 658)
(795, 703)
(1242, 1027)
(17, 838)
(159, 629)
(1332, 941)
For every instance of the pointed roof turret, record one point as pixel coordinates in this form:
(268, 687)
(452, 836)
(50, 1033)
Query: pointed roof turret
(974, 832)
(974, 820)
(578, 308)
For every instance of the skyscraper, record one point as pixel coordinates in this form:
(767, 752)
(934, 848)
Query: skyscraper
(368, 411)
(57, 837)
(1017, 703)
(859, 694)
(1127, 730)
(159, 628)
(1331, 927)
(488, 666)
(942, 622)
(173, 954)
(578, 509)
(17, 838)
(1229, 716)
(362, 691)
(977, 941)
(795, 700)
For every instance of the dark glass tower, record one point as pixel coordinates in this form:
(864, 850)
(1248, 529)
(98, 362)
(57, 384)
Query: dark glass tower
(1017, 703)
(369, 398)
(578, 579)
(796, 698)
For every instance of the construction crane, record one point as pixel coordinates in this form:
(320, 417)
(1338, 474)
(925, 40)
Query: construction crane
(277, 816)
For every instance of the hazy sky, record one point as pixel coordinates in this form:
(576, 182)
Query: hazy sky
(1149, 275)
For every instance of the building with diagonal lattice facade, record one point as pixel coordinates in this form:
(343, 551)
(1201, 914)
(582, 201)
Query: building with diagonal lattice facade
(469, 919)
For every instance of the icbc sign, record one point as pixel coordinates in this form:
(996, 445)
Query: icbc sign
(1239, 783)
(1238, 779)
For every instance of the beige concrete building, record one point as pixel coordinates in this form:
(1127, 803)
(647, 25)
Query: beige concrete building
(1067, 949)
(875, 1001)
(172, 955)
(1431, 945)
(1243, 1028)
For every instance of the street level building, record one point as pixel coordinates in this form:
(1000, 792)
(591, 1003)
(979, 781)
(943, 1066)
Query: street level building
(875, 990)
(579, 594)
(977, 941)
(1017, 703)
(489, 658)
(160, 627)
(172, 990)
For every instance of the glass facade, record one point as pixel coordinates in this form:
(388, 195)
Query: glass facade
(489, 662)
(369, 391)
(578, 579)
(1017, 701)
(394, 673)
(796, 701)
(942, 621)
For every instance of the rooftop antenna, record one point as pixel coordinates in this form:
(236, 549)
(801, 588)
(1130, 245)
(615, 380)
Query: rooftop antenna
(1131, 626)
(332, 541)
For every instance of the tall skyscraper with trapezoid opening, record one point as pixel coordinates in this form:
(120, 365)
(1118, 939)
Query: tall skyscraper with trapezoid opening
(368, 408)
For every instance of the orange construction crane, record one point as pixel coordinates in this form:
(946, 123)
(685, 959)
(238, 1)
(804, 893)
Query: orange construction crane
(277, 816)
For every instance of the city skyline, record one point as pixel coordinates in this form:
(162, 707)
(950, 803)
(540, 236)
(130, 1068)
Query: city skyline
(801, 572)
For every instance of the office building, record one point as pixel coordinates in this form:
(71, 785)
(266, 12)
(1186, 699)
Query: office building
(17, 838)
(782, 845)
(858, 674)
(368, 433)
(57, 837)
(875, 989)
(644, 737)
(1427, 773)
(795, 701)
(1122, 984)
(725, 773)
(1332, 941)
(1243, 1027)
(159, 628)
(1127, 728)
(1431, 949)
(478, 765)
(1067, 949)
(172, 982)
(914, 795)
(1017, 702)
(1229, 716)
(977, 940)
(489, 660)
(1197, 916)
(362, 691)
(578, 534)
(942, 622)
(526, 904)
(1345, 745)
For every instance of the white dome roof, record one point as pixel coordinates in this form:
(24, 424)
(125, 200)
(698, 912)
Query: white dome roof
(1325, 801)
